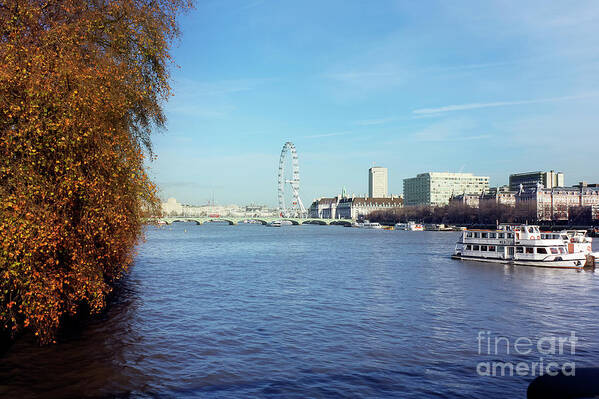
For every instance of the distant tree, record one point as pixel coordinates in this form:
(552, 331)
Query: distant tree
(581, 215)
(81, 88)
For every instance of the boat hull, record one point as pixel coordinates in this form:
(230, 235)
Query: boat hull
(555, 264)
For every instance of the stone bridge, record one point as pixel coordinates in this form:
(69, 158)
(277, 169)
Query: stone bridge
(263, 220)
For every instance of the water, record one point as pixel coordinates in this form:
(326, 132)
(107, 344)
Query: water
(308, 311)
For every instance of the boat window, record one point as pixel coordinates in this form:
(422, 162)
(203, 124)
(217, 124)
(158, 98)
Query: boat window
(501, 235)
(541, 251)
(564, 237)
(483, 235)
(500, 249)
(520, 250)
(562, 250)
(530, 250)
(469, 235)
(476, 235)
(483, 247)
(491, 248)
(531, 230)
(468, 247)
(492, 235)
(554, 251)
(475, 248)
(510, 235)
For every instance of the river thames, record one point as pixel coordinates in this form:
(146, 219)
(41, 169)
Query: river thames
(311, 311)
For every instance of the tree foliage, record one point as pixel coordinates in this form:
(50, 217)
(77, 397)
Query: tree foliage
(487, 213)
(81, 88)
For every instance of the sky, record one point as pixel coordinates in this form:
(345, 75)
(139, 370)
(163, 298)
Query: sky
(490, 88)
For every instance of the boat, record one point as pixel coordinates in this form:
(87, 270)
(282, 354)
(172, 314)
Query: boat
(520, 245)
(279, 223)
(575, 240)
(369, 225)
(410, 226)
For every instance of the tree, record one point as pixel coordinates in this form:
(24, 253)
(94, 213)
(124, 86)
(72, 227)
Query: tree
(81, 89)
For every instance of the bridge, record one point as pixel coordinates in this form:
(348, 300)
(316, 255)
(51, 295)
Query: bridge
(263, 220)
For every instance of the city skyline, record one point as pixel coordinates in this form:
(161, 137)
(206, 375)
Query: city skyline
(492, 89)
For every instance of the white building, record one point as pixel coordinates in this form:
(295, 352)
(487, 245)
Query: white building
(353, 207)
(436, 188)
(378, 182)
(172, 208)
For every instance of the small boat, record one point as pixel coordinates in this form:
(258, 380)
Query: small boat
(410, 226)
(521, 245)
(279, 223)
(373, 225)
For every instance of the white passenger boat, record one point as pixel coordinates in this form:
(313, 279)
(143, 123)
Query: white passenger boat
(410, 226)
(520, 245)
(373, 225)
(279, 223)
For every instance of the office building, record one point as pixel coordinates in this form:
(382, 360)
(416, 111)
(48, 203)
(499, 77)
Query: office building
(529, 180)
(378, 182)
(436, 188)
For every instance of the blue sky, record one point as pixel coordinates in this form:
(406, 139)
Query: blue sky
(492, 88)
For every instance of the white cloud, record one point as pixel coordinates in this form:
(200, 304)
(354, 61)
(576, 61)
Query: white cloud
(464, 107)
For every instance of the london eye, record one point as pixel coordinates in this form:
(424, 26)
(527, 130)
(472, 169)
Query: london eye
(290, 205)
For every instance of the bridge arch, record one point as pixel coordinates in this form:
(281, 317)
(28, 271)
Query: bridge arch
(321, 222)
(262, 221)
(342, 222)
(230, 221)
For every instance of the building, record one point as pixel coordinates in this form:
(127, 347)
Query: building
(378, 182)
(584, 184)
(343, 207)
(360, 207)
(545, 204)
(498, 195)
(173, 208)
(324, 208)
(436, 188)
(558, 203)
(530, 180)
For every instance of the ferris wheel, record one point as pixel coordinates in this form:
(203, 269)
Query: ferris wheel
(296, 208)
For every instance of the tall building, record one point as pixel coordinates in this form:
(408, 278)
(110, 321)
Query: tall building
(436, 188)
(528, 180)
(378, 182)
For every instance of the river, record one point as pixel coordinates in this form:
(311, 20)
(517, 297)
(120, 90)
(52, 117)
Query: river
(311, 311)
